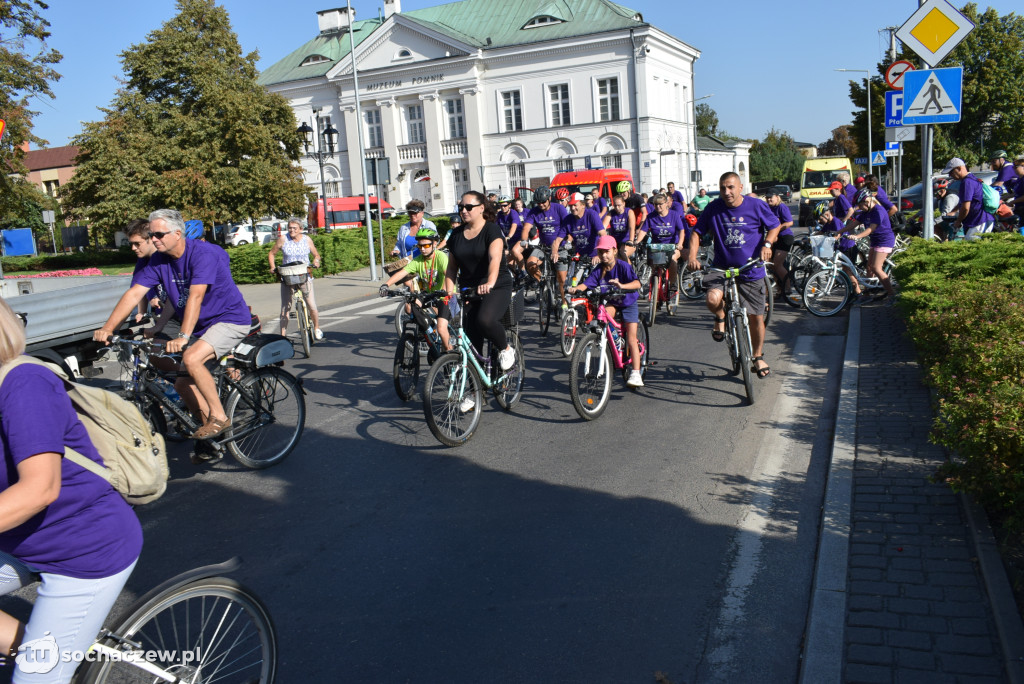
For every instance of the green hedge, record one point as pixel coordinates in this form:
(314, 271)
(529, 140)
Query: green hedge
(964, 303)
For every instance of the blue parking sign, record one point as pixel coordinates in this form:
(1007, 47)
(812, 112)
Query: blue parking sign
(894, 108)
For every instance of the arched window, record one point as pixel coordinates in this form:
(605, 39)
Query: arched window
(314, 59)
(543, 20)
(404, 53)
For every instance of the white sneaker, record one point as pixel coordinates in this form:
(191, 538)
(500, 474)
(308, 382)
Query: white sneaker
(635, 379)
(318, 334)
(467, 405)
(507, 358)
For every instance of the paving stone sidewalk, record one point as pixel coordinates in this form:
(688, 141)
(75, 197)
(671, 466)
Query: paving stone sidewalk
(917, 610)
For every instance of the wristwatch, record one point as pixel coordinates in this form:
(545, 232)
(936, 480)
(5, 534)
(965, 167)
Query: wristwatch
(768, 244)
(182, 336)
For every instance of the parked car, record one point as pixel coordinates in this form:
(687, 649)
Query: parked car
(785, 192)
(266, 231)
(910, 198)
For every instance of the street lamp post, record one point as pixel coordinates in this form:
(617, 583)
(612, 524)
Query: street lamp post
(696, 149)
(326, 138)
(867, 79)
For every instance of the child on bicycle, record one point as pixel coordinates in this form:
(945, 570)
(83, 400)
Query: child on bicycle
(428, 268)
(828, 223)
(615, 271)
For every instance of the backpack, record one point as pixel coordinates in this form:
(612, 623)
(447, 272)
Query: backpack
(990, 198)
(135, 457)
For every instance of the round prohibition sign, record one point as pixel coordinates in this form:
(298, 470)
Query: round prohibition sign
(894, 74)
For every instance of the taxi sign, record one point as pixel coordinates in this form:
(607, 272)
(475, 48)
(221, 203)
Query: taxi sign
(894, 74)
(934, 30)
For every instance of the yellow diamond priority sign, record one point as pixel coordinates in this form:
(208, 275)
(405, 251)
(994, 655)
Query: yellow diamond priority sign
(934, 30)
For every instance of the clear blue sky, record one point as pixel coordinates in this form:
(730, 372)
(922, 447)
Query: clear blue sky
(760, 60)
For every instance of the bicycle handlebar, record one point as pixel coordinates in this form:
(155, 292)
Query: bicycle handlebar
(736, 270)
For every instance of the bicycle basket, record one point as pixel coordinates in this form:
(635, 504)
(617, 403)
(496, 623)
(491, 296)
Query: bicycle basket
(515, 311)
(293, 274)
(822, 246)
(658, 255)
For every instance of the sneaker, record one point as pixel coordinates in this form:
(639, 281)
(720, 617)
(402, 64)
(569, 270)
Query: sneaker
(635, 379)
(507, 358)
(467, 405)
(318, 334)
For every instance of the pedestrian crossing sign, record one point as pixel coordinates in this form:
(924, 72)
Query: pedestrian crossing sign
(932, 96)
(878, 159)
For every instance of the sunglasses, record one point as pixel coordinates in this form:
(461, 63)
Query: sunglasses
(424, 245)
(160, 236)
(133, 243)
(505, 204)
(468, 207)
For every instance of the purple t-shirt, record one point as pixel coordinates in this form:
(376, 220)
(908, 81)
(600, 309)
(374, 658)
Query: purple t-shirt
(154, 292)
(1007, 175)
(841, 206)
(783, 214)
(883, 198)
(677, 199)
(850, 192)
(600, 204)
(618, 226)
(584, 232)
(622, 272)
(511, 224)
(202, 263)
(548, 223)
(664, 230)
(738, 232)
(89, 531)
(882, 236)
(835, 226)
(970, 191)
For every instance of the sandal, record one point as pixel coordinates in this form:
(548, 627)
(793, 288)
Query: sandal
(764, 372)
(211, 428)
(718, 335)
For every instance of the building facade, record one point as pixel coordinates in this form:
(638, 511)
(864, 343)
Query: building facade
(495, 95)
(718, 156)
(50, 168)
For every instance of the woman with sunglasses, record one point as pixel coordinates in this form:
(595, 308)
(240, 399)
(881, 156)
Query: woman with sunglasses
(475, 256)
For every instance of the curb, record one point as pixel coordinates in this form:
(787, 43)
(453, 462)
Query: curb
(824, 650)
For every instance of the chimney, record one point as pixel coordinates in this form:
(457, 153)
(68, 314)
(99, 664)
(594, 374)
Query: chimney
(334, 20)
(392, 7)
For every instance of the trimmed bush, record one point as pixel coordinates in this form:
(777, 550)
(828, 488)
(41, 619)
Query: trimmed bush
(964, 304)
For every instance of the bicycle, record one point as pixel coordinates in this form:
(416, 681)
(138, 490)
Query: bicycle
(602, 349)
(658, 255)
(453, 390)
(571, 315)
(419, 337)
(197, 627)
(547, 299)
(264, 403)
(691, 283)
(295, 275)
(829, 289)
(737, 326)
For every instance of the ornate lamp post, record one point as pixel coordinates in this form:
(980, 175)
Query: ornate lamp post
(326, 138)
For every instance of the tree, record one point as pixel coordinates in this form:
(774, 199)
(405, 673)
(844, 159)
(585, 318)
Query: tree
(992, 57)
(775, 158)
(26, 72)
(707, 120)
(191, 129)
(840, 144)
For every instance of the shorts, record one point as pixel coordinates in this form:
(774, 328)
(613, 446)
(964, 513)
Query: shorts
(784, 243)
(286, 296)
(753, 296)
(882, 250)
(560, 265)
(224, 336)
(631, 313)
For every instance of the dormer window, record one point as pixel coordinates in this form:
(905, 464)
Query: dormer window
(404, 53)
(314, 59)
(543, 20)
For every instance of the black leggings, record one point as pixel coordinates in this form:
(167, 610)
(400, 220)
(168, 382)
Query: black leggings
(484, 318)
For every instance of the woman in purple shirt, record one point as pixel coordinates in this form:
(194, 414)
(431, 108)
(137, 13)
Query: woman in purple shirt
(620, 223)
(665, 227)
(56, 518)
(871, 183)
(883, 239)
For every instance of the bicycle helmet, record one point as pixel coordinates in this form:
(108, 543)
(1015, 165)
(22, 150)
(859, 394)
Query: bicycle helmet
(861, 196)
(542, 195)
(562, 194)
(504, 199)
(940, 183)
(428, 234)
(821, 207)
(691, 220)
(623, 186)
(193, 229)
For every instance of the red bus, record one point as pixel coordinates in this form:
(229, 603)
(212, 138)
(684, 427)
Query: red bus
(346, 212)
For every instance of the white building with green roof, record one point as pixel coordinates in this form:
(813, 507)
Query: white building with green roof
(495, 94)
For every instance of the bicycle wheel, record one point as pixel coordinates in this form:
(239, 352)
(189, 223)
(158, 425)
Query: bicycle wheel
(568, 327)
(544, 307)
(746, 357)
(791, 294)
(305, 328)
(406, 370)
(267, 416)
(401, 318)
(213, 629)
(671, 298)
(452, 400)
(692, 286)
(643, 338)
(769, 307)
(732, 340)
(804, 269)
(826, 293)
(508, 391)
(590, 385)
(655, 292)
(643, 272)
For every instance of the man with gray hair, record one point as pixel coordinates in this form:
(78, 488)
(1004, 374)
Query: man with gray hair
(197, 277)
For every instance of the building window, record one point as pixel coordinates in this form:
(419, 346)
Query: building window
(374, 131)
(50, 187)
(608, 99)
(404, 53)
(414, 114)
(513, 110)
(516, 175)
(562, 165)
(612, 161)
(333, 189)
(456, 124)
(542, 20)
(460, 181)
(314, 59)
(558, 98)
